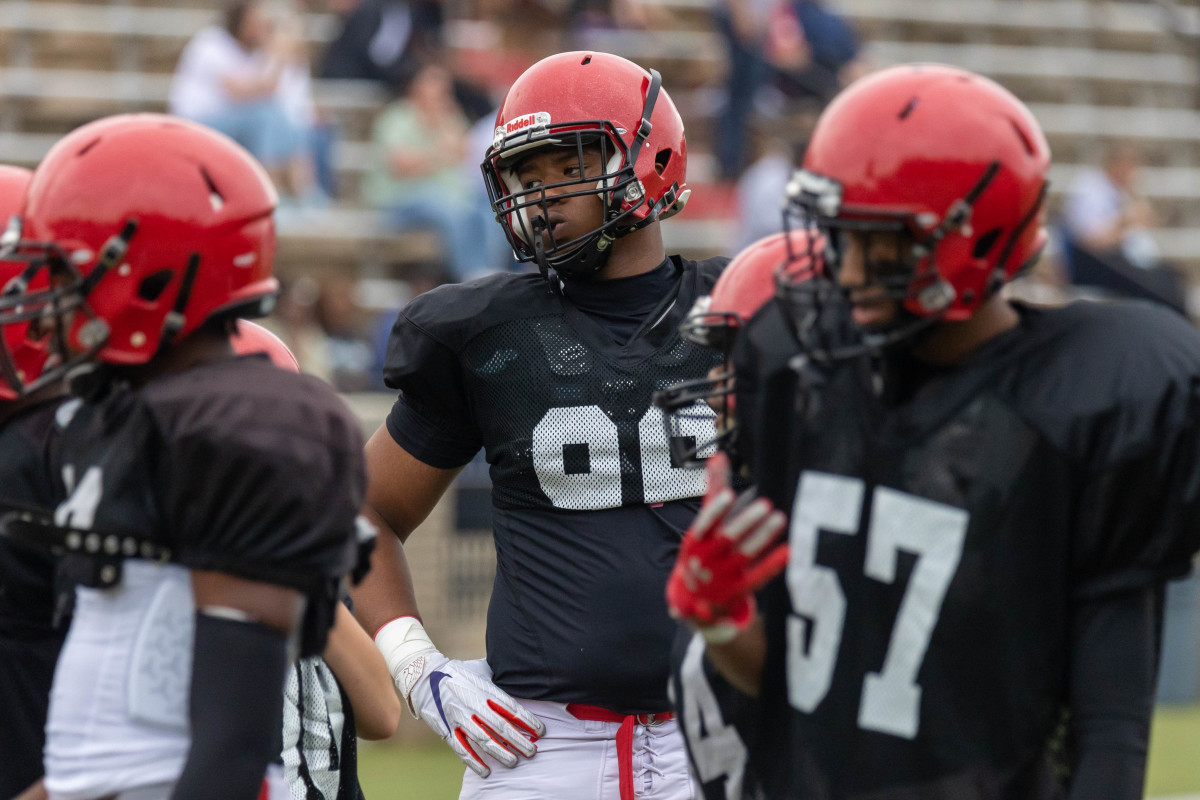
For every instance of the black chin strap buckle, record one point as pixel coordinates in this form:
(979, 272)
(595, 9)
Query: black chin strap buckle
(111, 254)
(644, 128)
(175, 319)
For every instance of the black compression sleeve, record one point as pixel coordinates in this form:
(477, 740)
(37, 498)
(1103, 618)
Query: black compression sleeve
(236, 709)
(1114, 666)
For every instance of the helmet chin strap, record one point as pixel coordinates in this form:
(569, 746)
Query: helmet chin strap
(584, 261)
(539, 250)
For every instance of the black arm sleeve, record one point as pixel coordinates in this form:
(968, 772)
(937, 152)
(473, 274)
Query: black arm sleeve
(1114, 664)
(236, 707)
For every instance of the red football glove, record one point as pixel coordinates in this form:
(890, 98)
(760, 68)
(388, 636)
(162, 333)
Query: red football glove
(725, 557)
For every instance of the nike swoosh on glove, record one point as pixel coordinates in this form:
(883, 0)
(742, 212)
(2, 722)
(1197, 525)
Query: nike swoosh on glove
(725, 557)
(469, 712)
(472, 715)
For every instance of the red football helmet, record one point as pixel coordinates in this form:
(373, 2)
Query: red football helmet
(577, 100)
(143, 227)
(948, 160)
(22, 356)
(715, 320)
(250, 338)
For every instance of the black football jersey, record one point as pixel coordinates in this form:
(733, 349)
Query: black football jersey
(943, 524)
(234, 466)
(588, 508)
(29, 640)
(718, 722)
(26, 573)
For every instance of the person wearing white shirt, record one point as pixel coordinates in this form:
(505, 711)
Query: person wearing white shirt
(241, 79)
(1104, 212)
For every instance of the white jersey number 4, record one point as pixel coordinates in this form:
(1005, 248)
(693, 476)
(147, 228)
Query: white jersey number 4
(933, 532)
(718, 752)
(79, 509)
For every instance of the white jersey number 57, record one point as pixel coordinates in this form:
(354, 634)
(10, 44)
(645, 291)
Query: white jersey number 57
(933, 532)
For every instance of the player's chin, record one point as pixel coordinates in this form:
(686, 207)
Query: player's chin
(871, 315)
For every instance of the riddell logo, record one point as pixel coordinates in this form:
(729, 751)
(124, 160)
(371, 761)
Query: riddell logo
(539, 120)
(528, 123)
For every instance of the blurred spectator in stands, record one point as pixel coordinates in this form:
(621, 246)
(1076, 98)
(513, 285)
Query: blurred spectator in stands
(587, 16)
(348, 353)
(248, 79)
(295, 321)
(806, 52)
(496, 254)
(762, 187)
(814, 51)
(1106, 230)
(743, 24)
(382, 40)
(318, 130)
(1105, 213)
(419, 144)
(387, 41)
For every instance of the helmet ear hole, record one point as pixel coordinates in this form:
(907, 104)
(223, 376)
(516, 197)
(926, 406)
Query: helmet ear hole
(152, 286)
(662, 160)
(986, 242)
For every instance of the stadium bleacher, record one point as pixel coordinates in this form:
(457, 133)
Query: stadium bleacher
(1092, 70)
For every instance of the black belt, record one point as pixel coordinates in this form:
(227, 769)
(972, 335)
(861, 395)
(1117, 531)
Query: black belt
(92, 557)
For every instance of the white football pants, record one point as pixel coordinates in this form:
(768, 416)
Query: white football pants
(579, 760)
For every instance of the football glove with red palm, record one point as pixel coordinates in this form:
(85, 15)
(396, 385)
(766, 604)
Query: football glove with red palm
(727, 554)
(457, 699)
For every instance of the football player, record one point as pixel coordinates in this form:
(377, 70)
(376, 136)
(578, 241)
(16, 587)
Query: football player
(29, 638)
(330, 699)
(985, 498)
(552, 373)
(716, 718)
(210, 501)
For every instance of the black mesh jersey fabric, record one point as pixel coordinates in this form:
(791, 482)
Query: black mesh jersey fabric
(943, 531)
(562, 410)
(588, 509)
(236, 466)
(587, 437)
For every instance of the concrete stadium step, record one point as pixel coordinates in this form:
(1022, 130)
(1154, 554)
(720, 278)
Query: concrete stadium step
(1129, 25)
(57, 100)
(1061, 74)
(127, 36)
(128, 91)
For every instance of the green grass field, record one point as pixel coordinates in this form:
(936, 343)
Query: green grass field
(433, 772)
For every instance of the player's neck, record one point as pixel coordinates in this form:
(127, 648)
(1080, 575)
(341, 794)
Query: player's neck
(634, 254)
(203, 346)
(12, 407)
(950, 342)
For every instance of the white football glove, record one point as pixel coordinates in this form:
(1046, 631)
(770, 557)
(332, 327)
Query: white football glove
(468, 711)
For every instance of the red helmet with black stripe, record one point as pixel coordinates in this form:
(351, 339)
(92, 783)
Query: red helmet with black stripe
(950, 162)
(576, 100)
(23, 355)
(147, 226)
